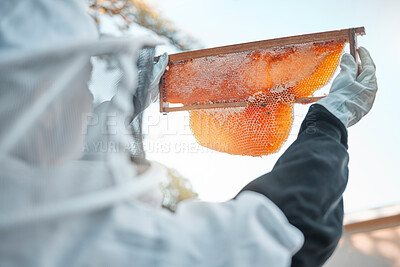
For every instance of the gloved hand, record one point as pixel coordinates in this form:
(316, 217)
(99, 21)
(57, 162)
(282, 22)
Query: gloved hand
(352, 96)
(158, 71)
(149, 94)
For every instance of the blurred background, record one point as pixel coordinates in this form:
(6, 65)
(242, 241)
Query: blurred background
(374, 179)
(184, 25)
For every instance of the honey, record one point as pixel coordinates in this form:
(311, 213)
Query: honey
(268, 80)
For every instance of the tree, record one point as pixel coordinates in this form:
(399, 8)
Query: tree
(141, 13)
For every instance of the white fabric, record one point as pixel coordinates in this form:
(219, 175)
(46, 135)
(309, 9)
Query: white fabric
(248, 231)
(158, 71)
(352, 96)
(30, 25)
(65, 203)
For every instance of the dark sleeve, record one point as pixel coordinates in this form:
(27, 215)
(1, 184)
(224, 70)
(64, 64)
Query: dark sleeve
(307, 184)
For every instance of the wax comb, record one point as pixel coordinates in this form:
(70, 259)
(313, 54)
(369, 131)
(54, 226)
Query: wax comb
(240, 97)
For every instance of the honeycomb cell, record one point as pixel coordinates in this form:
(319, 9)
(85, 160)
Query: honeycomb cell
(268, 80)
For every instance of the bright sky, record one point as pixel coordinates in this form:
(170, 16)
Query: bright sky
(373, 143)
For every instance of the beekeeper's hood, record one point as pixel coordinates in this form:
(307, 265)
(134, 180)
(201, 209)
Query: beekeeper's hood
(46, 49)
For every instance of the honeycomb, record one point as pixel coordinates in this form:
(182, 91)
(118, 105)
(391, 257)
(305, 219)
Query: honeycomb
(269, 80)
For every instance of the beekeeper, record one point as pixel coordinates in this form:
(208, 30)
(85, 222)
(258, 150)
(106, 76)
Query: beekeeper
(65, 202)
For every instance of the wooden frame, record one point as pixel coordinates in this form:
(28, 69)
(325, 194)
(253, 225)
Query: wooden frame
(345, 35)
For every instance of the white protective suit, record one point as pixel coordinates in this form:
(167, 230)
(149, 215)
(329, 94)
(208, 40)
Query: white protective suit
(61, 207)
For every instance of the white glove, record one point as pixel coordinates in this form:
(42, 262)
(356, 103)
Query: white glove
(153, 89)
(352, 96)
(158, 72)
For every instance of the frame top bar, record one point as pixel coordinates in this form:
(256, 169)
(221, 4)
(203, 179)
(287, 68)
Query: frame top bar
(342, 35)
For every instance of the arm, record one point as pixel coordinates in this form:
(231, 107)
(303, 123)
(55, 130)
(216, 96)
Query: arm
(308, 180)
(247, 231)
(307, 184)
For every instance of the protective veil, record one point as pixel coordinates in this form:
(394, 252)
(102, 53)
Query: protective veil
(70, 193)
